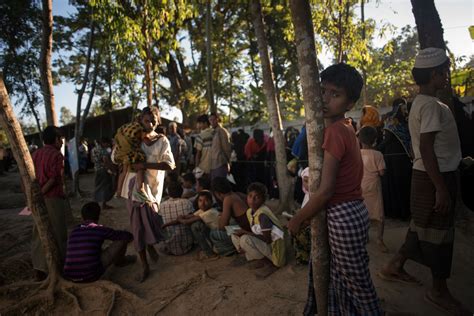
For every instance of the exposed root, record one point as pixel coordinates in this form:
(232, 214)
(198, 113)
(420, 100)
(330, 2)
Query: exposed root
(74, 298)
(112, 303)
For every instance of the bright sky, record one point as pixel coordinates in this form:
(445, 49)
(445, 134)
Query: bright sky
(456, 16)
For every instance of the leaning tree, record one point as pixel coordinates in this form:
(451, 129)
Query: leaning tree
(309, 74)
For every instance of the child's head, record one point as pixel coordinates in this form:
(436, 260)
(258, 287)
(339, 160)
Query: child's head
(431, 66)
(256, 195)
(91, 212)
(367, 135)
(52, 135)
(175, 190)
(220, 187)
(204, 200)
(305, 178)
(341, 85)
(150, 118)
(203, 183)
(203, 121)
(189, 180)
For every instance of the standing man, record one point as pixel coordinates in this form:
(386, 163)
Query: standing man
(49, 167)
(437, 154)
(220, 149)
(178, 145)
(203, 144)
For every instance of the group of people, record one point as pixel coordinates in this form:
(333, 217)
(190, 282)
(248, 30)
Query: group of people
(207, 212)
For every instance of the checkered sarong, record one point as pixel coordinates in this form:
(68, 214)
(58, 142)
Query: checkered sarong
(351, 291)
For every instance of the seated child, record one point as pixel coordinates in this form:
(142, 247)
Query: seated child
(128, 150)
(265, 244)
(205, 219)
(374, 168)
(181, 238)
(189, 183)
(86, 261)
(302, 240)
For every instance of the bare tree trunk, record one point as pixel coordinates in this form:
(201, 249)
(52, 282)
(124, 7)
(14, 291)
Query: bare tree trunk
(431, 34)
(364, 72)
(148, 62)
(34, 198)
(309, 74)
(45, 62)
(284, 180)
(210, 83)
(80, 94)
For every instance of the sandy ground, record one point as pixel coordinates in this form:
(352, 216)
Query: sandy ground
(183, 285)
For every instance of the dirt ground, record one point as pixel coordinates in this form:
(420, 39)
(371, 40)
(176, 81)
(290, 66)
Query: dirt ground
(182, 285)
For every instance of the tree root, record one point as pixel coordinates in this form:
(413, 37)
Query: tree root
(46, 293)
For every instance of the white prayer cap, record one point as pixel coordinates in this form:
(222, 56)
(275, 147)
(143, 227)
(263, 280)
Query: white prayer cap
(430, 57)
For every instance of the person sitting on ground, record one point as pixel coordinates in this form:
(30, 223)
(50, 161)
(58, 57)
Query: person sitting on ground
(233, 208)
(201, 222)
(181, 238)
(86, 261)
(374, 168)
(127, 152)
(265, 243)
(189, 183)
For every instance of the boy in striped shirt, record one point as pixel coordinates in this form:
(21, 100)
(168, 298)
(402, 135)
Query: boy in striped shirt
(86, 261)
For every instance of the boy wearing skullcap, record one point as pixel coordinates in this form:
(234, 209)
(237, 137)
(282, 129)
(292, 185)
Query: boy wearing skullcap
(437, 154)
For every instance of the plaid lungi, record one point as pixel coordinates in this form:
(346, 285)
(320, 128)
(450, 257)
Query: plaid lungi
(430, 237)
(351, 291)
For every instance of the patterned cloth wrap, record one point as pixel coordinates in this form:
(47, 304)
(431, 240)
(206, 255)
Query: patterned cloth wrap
(127, 144)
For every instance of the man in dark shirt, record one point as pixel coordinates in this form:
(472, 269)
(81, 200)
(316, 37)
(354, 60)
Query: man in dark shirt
(86, 261)
(49, 167)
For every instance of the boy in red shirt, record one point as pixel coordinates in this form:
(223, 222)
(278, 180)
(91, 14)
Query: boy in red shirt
(351, 291)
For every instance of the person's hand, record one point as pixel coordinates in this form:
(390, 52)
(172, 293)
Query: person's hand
(240, 232)
(139, 166)
(294, 225)
(443, 201)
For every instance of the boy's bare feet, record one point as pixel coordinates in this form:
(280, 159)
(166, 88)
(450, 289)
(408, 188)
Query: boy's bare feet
(264, 272)
(202, 256)
(256, 264)
(238, 261)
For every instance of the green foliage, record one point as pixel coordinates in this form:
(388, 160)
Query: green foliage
(66, 116)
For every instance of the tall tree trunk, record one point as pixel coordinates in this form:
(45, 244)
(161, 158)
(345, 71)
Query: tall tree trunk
(34, 198)
(431, 34)
(309, 74)
(364, 71)
(284, 180)
(210, 84)
(45, 62)
(80, 94)
(148, 62)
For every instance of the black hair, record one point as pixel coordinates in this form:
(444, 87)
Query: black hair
(259, 136)
(203, 119)
(90, 211)
(344, 76)
(258, 187)
(205, 193)
(50, 134)
(174, 189)
(423, 75)
(221, 185)
(152, 110)
(368, 135)
(216, 115)
(204, 182)
(189, 177)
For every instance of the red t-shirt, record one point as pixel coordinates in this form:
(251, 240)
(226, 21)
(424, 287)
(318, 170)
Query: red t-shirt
(340, 141)
(49, 163)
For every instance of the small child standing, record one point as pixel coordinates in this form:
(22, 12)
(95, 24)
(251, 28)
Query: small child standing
(374, 168)
(127, 152)
(351, 291)
(265, 244)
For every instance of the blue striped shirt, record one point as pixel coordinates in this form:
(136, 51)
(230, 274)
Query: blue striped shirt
(84, 248)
